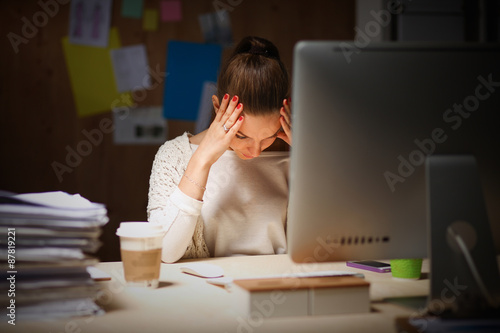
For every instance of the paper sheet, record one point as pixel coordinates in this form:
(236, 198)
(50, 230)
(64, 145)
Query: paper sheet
(132, 8)
(53, 204)
(150, 20)
(144, 125)
(216, 28)
(58, 199)
(206, 106)
(189, 65)
(89, 22)
(130, 66)
(91, 75)
(171, 10)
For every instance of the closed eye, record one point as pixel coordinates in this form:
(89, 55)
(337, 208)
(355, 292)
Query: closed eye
(242, 136)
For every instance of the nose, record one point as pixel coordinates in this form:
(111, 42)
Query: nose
(255, 149)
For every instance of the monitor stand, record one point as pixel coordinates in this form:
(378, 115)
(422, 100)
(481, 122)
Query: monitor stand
(464, 274)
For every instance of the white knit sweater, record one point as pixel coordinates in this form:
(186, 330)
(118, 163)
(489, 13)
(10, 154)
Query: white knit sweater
(243, 209)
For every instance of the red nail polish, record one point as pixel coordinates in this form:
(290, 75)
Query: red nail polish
(286, 102)
(239, 106)
(240, 118)
(226, 96)
(235, 98)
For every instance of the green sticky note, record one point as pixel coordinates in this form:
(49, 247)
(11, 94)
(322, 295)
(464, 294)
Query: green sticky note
(132, 8)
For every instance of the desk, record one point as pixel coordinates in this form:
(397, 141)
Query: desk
(185, 303)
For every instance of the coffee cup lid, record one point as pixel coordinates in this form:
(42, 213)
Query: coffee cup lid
(139, 229)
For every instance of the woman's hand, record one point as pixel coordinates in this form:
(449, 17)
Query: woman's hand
(215, 142)
(286, 122)
(222, 130)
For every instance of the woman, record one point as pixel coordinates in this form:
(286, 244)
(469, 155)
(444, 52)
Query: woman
(217, 193)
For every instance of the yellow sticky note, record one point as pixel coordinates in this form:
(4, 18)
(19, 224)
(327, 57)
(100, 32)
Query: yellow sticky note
(150, 19)
(92, 79)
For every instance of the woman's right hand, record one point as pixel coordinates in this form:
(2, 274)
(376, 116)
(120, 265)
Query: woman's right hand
(222, 130)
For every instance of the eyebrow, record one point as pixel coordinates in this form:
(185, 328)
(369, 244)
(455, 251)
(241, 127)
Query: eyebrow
(275, 134)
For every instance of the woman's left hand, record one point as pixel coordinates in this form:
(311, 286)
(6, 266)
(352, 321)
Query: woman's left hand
(286, 122)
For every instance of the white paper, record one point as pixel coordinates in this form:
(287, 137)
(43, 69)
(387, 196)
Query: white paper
(59, 309)
(89, 22)
(144, 125)
(45, 254)
(98, 275)
(58, 199)
(56, 204)
(206, 107)
(216, 27)
(36, 212)
(130, 66)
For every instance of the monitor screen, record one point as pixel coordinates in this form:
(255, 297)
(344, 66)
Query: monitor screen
(364, 121)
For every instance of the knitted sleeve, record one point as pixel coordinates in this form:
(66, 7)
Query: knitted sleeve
(178, 214)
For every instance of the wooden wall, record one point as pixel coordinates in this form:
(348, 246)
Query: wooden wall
(39, 122)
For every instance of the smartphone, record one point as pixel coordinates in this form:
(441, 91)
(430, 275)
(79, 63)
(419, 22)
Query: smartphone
(370, 265)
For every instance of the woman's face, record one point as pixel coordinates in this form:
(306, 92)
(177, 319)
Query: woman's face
(256, 134)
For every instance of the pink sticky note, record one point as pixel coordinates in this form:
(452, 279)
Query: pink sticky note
(171, 10)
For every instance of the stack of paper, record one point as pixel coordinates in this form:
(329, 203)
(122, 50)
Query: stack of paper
(49, 240)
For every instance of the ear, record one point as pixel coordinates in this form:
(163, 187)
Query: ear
(215, 102)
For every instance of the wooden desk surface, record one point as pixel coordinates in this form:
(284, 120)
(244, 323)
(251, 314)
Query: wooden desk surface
(185, 303)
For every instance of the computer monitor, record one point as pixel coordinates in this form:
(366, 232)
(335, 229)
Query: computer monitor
(365, 120)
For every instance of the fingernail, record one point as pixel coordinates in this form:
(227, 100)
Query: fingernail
(235, 98)
(239, 106)
(240, 118)
(286, 102)
(226, 96)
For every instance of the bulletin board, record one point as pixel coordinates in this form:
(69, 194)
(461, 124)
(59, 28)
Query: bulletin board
(48, 143)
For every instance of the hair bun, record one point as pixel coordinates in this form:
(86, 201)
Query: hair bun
(258, 50)
(257, 46)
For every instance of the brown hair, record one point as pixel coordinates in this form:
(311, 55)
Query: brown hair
(256, 74)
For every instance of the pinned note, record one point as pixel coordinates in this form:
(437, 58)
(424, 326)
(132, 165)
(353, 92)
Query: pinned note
(89, 22)
(206, 108)
(91, 76)
(189, 66)
(150, 20)
(132, 8)
(144, 125)
(216, 27)
(171, 10)
(130, 66)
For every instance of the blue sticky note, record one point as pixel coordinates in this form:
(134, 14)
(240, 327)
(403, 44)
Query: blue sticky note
(189, 65)
(132, 8)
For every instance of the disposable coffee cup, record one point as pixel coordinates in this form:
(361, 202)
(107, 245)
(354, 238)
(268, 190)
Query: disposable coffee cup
(140, 248)
(406, 268)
